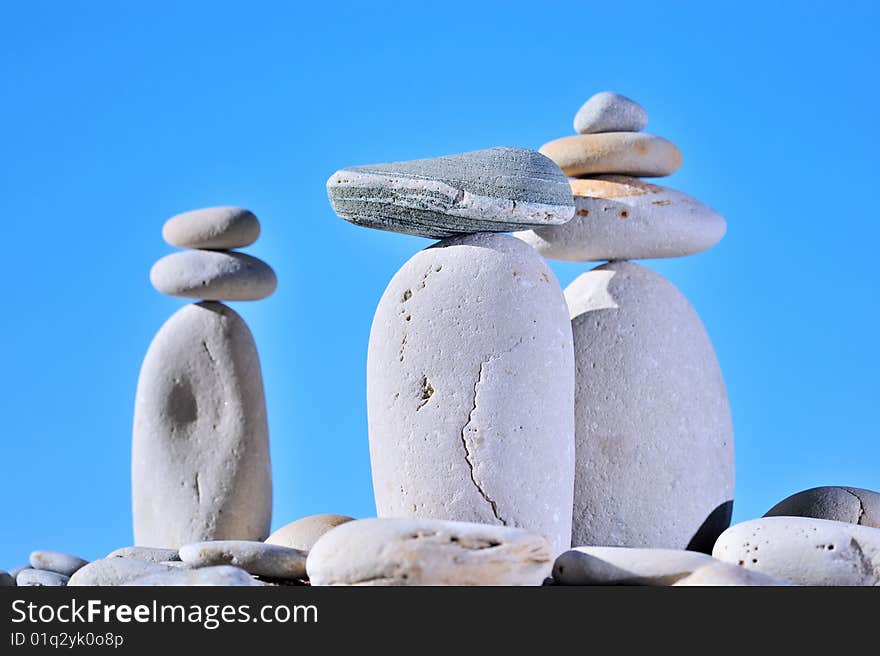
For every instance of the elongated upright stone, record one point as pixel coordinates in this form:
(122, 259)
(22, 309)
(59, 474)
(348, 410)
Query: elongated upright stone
(654, 434)
(470, 389)
(200, 456)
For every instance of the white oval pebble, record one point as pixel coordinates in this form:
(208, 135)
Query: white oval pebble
(213, 276)
(258, 558)
(114, 571)
(725, 574)
(428, 552)
(147, 554)
(607, 111)
(625, 566)
(654, 433)
(623, 218)
(55, 561)
(222, 575)
(212, 228)
(200, 451)
(40, 577)
(803, 550)
(470, 389)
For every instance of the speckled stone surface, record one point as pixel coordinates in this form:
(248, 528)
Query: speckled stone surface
(494, 190)
(625, 218)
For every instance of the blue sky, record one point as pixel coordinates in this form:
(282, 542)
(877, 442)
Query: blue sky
(115, 116)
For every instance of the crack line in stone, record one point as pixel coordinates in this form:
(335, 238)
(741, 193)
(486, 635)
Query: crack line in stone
(861, 505)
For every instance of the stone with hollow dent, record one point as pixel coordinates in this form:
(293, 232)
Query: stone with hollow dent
(56, 561)
(624, 153)
(470, 389)
(41, 578)
(494, 190)
(654, 438)
(213, 276)
(258, 558)
(221, 575)
(842, 504)
(303, 533)
(200, 452)
(607, 111)
(725, 574)
(804, 550)
(625, 566)
(148, 554)
(624, 218)
(428, 552)
(115, 571)
(212, 228)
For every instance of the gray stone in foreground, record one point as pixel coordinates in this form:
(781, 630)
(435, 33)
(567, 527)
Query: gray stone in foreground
(212, 228)
(256, 558)
(147, 554)
(303, 533)
(626, 566)
(842, 504)
(494, 190)
(428, 552)
(607, 111)
(115, 571)
(56, 561)
(725, 574)
(804, 550)
(41, 577)
(213, 276)
(624, 218)
(6, 579)
(222, 575)
(200, 449)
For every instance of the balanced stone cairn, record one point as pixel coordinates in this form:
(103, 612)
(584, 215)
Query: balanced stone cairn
(200, 453)
(654, 439)
(470, 366)
(507, 420)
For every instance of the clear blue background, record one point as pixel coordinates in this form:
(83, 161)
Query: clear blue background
(115, 116)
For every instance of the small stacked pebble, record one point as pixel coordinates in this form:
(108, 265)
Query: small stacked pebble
(200, 455)
(465, 335)
(654, 438)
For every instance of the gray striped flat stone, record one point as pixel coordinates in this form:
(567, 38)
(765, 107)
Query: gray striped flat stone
(494, 190)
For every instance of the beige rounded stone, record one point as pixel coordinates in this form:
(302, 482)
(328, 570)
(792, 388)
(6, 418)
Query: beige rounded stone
(212, 228)
(625, 153)
(303, 533)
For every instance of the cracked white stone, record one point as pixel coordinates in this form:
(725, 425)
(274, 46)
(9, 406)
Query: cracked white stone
(804, 550)
(470, 389)
(428, 552)
(200, 452)
(654, 438)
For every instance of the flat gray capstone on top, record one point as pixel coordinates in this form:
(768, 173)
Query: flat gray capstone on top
(56, 561)
(212, 228)
(213, 276)
(258, 558)
(494, 190)
(40, 577)
(607, 111)
(843, 504)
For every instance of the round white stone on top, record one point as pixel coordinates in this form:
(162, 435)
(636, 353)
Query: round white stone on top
(607, 111)
(212, 228)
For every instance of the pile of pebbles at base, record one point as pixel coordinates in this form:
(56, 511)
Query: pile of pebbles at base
(827, 536)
